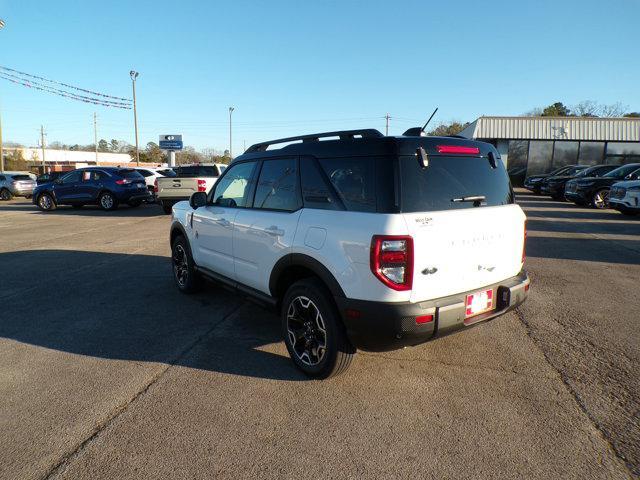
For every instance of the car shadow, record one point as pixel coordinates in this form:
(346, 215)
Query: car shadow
(126, 307)
(123, 210)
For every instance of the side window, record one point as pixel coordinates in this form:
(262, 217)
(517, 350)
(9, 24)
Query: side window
(232, 190)
(95, 176)
(315, 191)
(145, 173)
(354, 180)
(2, 177)
(277, 186)
(72, 177)
(86, 175)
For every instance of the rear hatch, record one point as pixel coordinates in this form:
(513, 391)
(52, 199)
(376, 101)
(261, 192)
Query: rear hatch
(467, 231)
(23, 182)
(131, 179)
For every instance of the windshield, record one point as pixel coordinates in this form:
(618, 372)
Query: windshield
(21, 177)
(198, 171)
(623, 171)
(448, 181)
(560, 171)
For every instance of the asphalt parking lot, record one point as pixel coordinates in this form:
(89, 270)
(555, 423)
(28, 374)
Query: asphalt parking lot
(106, 371)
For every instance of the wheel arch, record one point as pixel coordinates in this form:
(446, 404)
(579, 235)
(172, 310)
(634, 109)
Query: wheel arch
(295, 266)
(177, 230)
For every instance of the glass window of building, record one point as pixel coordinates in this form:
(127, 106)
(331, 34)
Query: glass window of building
(591, 153)
(540, 155)
(620, 153)
(517, 161)
(565, 153)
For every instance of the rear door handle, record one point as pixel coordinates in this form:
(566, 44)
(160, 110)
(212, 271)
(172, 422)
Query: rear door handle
(275, 231)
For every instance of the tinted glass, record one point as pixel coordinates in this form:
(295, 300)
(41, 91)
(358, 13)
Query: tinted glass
(96, 175)
(623, 171)
(167, 173)
(448, 178)
(198, 171)
(620, 148)
(21, 177)
(596, 171)
(591, 153)
(129, 173)
(316, 193)
(565, 153)
(540, 153)
(145, 173)
(354, 180)
(232, 189)
(573, 171)
(277, 186)
(72, 177)
(517, 160)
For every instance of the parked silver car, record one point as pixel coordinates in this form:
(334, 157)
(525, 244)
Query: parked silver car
(16, 185)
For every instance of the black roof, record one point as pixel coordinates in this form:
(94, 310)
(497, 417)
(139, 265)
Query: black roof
(357, 143)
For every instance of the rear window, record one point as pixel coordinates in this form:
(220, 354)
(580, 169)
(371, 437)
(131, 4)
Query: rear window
(447, 178)
(21, 177)
(167, 172)
(130, 173)
(198, 171)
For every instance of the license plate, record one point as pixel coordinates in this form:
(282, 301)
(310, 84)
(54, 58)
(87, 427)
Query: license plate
(479, 302)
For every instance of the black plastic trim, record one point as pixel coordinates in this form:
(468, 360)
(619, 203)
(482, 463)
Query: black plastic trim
(302, 260)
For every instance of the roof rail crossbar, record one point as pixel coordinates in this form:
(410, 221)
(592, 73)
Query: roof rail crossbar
(343, 135)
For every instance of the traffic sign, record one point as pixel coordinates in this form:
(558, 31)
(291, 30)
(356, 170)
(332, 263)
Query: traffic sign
(171, 142)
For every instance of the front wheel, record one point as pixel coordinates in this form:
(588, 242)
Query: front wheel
(107, 201)
(184, 273)
(600, 199)
(5, 194)
(313, 331)
(46, 203)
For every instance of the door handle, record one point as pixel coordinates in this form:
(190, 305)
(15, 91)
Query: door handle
(275, 231)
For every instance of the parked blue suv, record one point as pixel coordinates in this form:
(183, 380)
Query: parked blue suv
(103, 186)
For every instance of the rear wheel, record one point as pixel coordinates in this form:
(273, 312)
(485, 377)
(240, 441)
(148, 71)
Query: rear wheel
(313, 331)
(46, 203)
(600, 199)
(107, 201)
(5, 194)
(184, 273)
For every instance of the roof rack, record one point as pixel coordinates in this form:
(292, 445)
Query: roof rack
(343, 134)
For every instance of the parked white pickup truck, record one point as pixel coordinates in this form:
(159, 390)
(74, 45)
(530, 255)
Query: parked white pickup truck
(189, 178)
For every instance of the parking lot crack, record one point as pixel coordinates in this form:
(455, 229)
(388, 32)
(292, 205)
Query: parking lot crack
(100, 427)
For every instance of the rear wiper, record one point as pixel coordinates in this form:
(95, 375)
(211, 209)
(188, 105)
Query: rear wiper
(476, 199)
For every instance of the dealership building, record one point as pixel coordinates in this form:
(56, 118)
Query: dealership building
(532, 145)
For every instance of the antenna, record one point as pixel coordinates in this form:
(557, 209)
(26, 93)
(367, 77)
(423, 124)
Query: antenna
(425, 125)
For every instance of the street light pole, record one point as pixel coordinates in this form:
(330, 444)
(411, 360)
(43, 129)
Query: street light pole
(231, 109)
(134, 76)
(1, 155)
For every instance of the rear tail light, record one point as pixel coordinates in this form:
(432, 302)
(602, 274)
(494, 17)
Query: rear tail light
(123, 181)
(202, 185)
(524, 243)
(458, 149)
(392, 260)
(155, 186)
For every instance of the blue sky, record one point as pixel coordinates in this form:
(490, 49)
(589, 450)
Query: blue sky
(293, 67)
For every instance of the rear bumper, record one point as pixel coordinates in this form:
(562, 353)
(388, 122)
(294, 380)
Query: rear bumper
(379, 326)
(134, 196)
(21, 192)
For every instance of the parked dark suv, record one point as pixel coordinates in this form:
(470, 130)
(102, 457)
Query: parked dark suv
(594, 191)
(103, 186)
(534, 182)
(554, 186)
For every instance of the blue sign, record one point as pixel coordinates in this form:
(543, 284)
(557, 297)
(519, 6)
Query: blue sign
(170, 142)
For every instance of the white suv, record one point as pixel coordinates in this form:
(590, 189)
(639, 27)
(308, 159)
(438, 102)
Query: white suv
(359, 240)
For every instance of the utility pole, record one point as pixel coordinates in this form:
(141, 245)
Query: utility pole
(387, 117)
(134, 75)
(244, 146)
(231, 109)
(1, 155)
(42, 145)
(95, 134)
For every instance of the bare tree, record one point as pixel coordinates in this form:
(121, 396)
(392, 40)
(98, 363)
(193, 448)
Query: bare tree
(615, 110)
(586, 108)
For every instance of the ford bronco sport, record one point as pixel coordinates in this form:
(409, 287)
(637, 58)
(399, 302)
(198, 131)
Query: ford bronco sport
(359, 240)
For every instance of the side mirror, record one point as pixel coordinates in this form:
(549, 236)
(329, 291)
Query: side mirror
(198, 199)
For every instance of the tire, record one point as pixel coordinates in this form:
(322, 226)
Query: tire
(5, 194)
(307, 307)
(107, 201)
(184, 273)
(166, 208)
(600, 199)
(78, 205)
(135, 203)
(46, 202)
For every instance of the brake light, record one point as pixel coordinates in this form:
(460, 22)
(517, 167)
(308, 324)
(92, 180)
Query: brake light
(123, 181)
(458, 149)
(155, 185)
(392, 260)
(202, 185)
(524, 243)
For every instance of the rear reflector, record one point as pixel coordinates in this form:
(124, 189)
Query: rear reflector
(424, 319)
(458, 149)
(526, 287)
